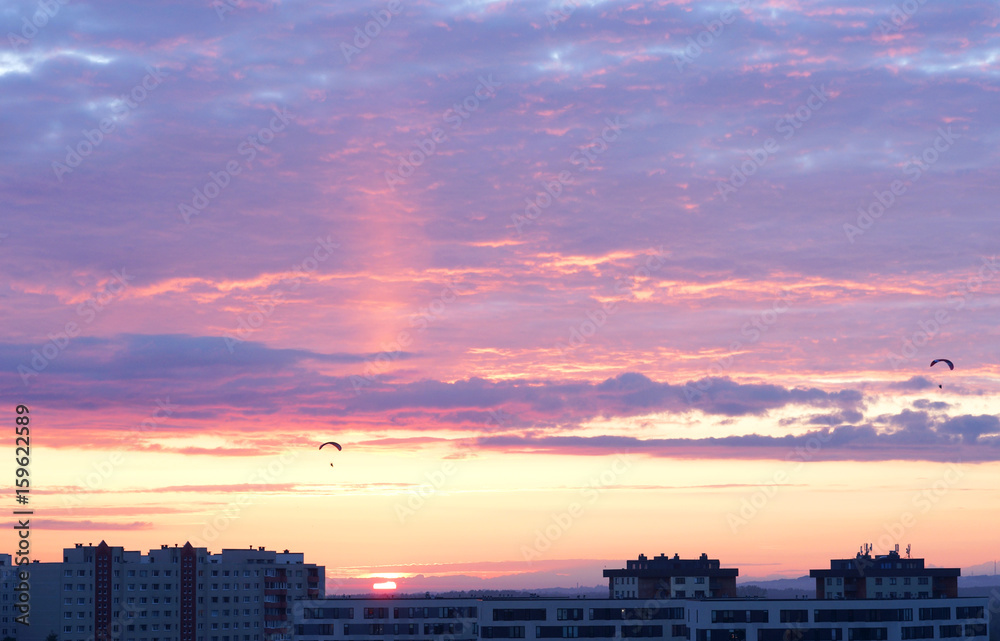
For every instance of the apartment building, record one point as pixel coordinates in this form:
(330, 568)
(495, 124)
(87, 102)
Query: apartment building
(709, 619)
(105, 593)
(672, 578)
(8, 597)
(888, 576)
(825, 620)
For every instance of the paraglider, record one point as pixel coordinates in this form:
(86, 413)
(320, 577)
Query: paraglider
(336, 445)
(951, 366)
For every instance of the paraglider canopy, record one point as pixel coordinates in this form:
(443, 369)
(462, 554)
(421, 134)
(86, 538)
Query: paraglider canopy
(951, 366)
(336, 445)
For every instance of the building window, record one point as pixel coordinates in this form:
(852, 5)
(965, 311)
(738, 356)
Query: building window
(934, 614)
(503, 631)
(794, 616)
(519, 614)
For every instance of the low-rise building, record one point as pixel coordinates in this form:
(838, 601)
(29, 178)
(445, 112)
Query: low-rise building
(672, 578)
(888, 576)
(471, 619)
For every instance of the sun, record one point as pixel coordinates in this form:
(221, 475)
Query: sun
(387, 585)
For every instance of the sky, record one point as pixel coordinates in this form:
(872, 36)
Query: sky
(568, 281)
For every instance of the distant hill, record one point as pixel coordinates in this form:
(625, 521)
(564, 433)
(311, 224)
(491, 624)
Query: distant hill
(784, 588)
(978, 581)
(596, 591)
(800, 588)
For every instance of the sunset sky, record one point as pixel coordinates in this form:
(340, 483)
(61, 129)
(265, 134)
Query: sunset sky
(569, 281)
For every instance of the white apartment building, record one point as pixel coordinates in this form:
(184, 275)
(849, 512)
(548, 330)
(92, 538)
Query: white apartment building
(470, 619)
(104, 593)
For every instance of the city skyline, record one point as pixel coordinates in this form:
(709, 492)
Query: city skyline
(566, 281)
(563, 574)
(190, 594)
